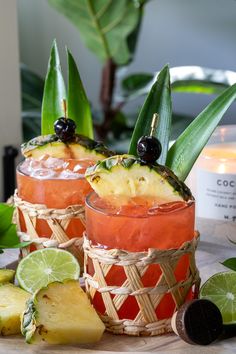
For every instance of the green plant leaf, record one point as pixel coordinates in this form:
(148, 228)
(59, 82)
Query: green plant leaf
(230, 263)
(6, 213)
(54, 93)
(31, 121)
(104, 25)
(77, 104)
(31, 89)
(9, 237)
(8, 234)
(188, 79)
(199, 86)
(136, 81)
(184, 152)
(157, 101)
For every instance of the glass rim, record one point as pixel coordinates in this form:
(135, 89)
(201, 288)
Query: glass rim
(88, 204)
(20, 172)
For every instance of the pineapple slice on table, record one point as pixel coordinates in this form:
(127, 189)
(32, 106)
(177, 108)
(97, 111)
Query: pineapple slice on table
(12, 305)
(7, 276)
(79, 147)
(128, 176)
(61, 314)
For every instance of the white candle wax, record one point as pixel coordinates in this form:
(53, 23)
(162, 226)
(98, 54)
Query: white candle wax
(219, 158)
(213, 183)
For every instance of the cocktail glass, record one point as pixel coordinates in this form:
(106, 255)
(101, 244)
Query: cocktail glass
(50, 202)
(140, 264)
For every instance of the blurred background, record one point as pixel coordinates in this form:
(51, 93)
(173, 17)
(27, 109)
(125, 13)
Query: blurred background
(199, 34)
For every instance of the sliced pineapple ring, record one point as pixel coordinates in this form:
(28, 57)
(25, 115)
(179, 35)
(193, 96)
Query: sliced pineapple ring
(7, 276)
(127, 176)
(12, 304)
(61, 314)
(80, 148)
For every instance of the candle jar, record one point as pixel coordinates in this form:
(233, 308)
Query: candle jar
(213, 182)
(139, 263)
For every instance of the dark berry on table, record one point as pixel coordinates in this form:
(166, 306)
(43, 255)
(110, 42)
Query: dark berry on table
(65, 128)
(149, 149)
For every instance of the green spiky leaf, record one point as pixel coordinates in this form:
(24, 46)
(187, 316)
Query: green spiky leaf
(190, 143)
(54, 93)
(77, 104)
(157, 101)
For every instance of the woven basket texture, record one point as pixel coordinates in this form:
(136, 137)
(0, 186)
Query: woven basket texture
(57, 220)
(99, 263)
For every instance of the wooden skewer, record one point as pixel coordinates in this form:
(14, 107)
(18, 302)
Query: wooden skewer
(155, 119)
(64, 106)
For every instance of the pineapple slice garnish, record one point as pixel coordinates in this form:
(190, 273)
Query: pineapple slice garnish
(61, 314)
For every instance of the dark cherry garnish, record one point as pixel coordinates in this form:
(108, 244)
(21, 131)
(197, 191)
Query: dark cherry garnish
(148, 149)
(65, 129)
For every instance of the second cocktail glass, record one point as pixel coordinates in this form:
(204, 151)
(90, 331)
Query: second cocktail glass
(50, 202)
(140, 263)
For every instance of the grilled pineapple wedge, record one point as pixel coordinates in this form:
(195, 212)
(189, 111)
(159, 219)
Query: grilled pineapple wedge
(12, 305)
(7, 276)
(80, 147)
(127, 176)
(61, 314)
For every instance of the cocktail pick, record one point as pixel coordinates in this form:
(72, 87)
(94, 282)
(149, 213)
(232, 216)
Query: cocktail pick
(148, 146)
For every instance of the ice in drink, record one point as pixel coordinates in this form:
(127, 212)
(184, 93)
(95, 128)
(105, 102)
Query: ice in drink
(55, 183)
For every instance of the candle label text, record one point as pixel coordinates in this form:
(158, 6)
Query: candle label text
(216, 195)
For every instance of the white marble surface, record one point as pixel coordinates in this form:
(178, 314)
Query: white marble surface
(211, 251)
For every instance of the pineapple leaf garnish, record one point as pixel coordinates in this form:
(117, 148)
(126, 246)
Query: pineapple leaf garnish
(8, 234)
(190, 143)
(184, 152)
(157, 101)
(78, 104)
(54, 93)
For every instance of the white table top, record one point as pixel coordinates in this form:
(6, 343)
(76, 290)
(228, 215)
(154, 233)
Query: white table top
(212, 250)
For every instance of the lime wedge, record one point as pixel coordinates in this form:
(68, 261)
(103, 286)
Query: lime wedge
(221, 289)
(44, 266)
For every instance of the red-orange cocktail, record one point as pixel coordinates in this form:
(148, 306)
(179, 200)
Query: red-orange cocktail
(137, 228)
(55, 183)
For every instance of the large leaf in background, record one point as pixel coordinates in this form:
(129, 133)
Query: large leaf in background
(54, 93)
(192, 79)
(157, 101)
(184, 152)
(31, 89)
(104, 25)
(31, 121)
(134, 82)
(77, 103)
(132, 39)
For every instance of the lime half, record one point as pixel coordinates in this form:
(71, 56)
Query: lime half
(44, 266)
(221, 289)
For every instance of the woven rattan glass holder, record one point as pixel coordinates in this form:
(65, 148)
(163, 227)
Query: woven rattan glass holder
(58, 221)
(135, 265)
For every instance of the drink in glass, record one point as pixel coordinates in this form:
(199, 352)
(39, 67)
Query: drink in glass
(137, 228)
(140, 244)
(52, 189)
